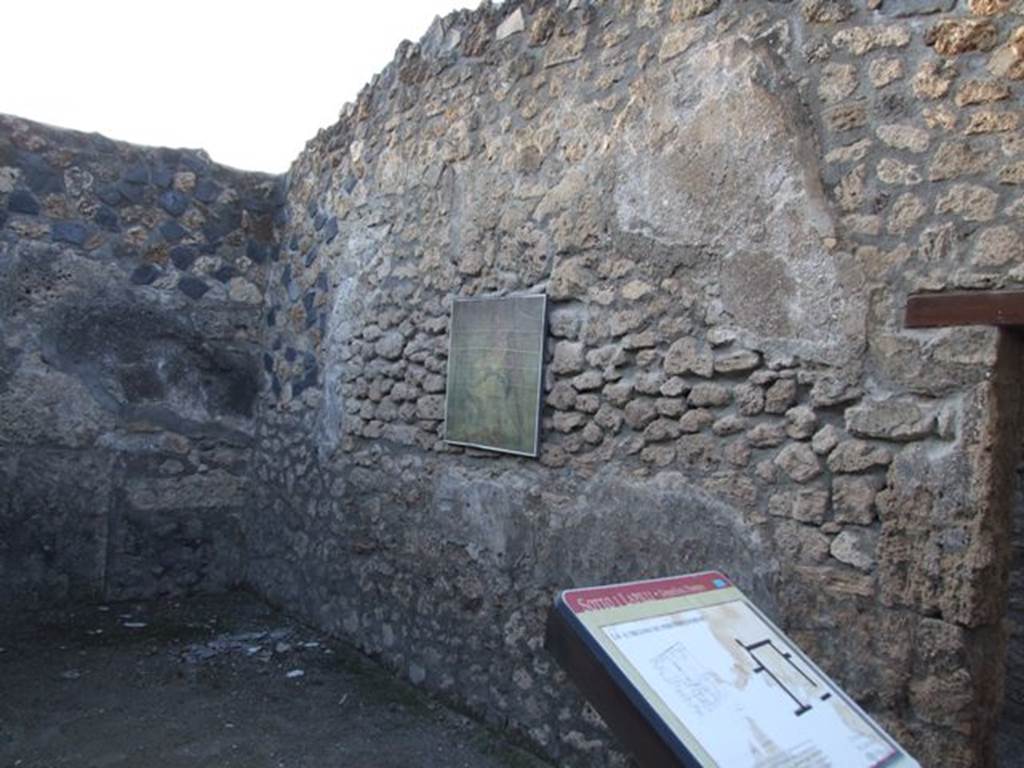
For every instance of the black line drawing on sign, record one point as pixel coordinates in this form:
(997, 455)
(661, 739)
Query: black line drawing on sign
(764, 653)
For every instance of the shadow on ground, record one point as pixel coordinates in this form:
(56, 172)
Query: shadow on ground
(222, 681)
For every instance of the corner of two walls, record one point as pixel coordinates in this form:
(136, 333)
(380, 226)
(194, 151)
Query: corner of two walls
(131, 285)
(727, 207)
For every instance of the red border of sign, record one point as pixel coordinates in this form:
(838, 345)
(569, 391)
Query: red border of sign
(632, 592)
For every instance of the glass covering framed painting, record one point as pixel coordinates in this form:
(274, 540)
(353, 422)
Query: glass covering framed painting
(495, 373)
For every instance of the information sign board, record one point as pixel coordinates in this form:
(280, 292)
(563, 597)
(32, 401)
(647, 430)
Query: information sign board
(716, 682)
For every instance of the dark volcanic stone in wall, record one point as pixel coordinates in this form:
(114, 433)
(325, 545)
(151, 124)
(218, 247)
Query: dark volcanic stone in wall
(130, 308)
(22, 201)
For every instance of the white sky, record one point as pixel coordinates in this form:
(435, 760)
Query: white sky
(249, 81)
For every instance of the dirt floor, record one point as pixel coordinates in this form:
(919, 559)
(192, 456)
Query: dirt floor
(223, 681)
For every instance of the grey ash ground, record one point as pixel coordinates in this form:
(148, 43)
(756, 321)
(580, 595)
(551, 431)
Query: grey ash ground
(215, 682)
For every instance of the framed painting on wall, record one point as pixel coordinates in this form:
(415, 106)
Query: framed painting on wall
(495, 373)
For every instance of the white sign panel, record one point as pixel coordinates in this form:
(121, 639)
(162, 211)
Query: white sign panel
(729, 689)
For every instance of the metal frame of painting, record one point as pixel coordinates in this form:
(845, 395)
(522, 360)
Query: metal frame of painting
(463, 419)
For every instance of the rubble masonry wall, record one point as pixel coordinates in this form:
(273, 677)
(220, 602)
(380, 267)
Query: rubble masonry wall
(727, 205)
(209, 376)
(131, 289)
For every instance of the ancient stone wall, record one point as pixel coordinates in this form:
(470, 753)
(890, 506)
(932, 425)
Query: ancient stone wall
(727, 205)
(131, 285)
(1012, 726)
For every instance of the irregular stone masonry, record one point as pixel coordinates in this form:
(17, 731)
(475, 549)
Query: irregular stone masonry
(1013, 713)
(727, 206)
(131, 292)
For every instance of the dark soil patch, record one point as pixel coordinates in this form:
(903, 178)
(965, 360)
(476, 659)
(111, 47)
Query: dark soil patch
(223, 682)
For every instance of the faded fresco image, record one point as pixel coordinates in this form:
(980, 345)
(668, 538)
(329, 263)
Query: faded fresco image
(494, 370)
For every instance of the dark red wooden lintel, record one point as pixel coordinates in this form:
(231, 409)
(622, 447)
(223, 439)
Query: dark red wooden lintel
(936, 310)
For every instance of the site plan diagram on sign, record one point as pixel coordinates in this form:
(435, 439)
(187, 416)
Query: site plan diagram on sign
(745, 694)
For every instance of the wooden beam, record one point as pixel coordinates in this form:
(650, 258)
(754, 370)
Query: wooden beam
(935, 310)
